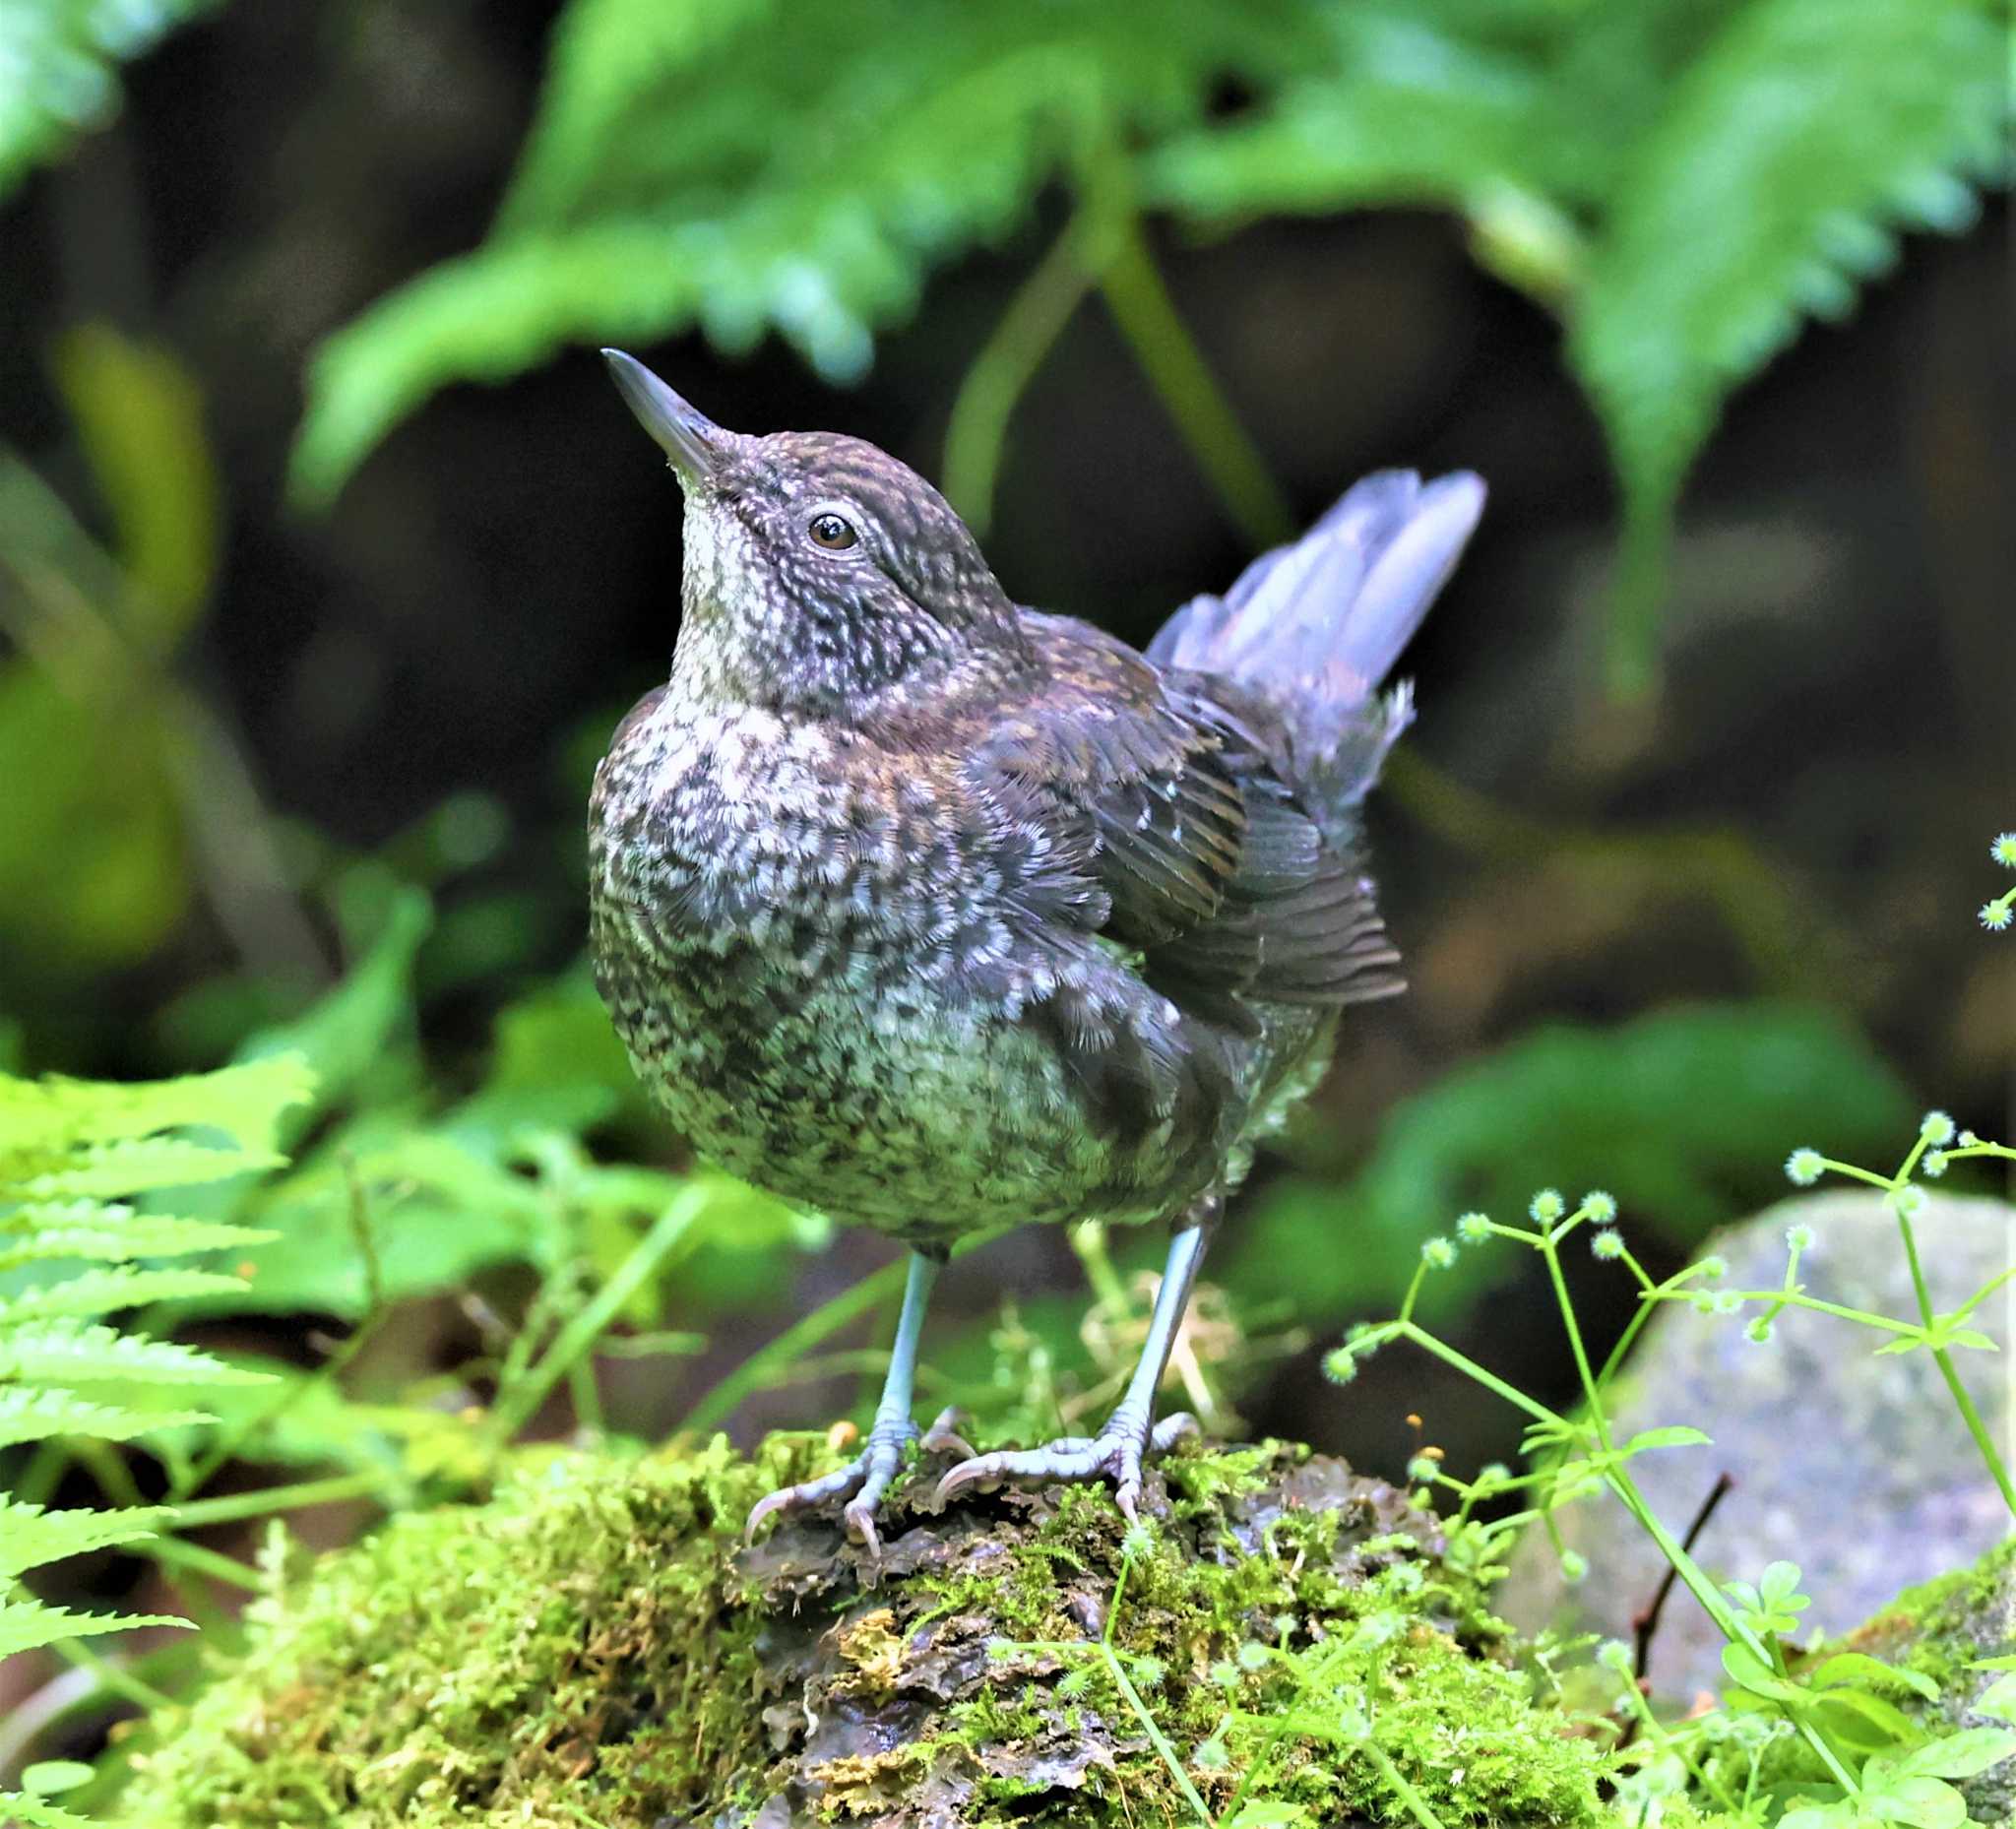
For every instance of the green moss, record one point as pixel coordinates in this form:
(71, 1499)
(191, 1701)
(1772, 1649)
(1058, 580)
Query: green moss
(594, 1646)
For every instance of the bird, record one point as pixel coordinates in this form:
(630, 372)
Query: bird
(938, 914)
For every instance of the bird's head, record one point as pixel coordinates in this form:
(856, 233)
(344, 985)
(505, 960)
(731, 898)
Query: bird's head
(822, 575)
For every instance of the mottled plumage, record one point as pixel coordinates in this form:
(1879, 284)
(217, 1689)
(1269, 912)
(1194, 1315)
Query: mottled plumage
(941, 914)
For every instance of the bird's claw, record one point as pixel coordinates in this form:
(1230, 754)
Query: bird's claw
(1115, 1453)
(863, 1481)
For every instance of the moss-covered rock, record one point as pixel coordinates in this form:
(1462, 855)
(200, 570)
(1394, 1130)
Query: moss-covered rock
(594, 1646)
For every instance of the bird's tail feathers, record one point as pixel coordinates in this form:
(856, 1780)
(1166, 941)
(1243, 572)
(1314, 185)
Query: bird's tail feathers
(1316, 626)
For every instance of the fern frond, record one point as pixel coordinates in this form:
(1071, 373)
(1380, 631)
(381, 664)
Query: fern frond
(53, 1115)
(38, 1814)
(111, 1233)
(37, 1416)
(32, 1535)
(28, 1624)
(99, 1292)
(58, 55)
(802, 173)
(1772, 185)
(67, 1352)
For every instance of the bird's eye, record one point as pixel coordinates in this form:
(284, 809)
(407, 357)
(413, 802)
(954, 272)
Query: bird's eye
(835, 532)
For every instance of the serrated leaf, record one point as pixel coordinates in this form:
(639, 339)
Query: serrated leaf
(105, 1292)
(33, 1534)
(56, 1114)
(67, 1352)
(746, 178)
(1766, 190)
(38, 1814)
(39, 1414)
(26, 1625)
(111, 1233)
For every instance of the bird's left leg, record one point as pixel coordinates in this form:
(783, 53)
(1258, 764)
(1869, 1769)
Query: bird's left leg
(1116, 1452)
(863, 1479)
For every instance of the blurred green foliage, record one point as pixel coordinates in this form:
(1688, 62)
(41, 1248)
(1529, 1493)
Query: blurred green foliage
(1680, 1114)
(1684, 181)
(56, 68)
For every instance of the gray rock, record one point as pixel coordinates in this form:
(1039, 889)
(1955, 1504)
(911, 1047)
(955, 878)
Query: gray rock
(1853, 1464)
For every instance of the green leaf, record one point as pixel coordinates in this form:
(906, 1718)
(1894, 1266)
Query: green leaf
(1965, 1754)
(37, 1416)
(26, 1625)
(1768, 189)
(105, 1292)
(139, 413)
(58, 55)
(723, 170)
(32, 1536)
(1749, 1671)
(1852, 1666)
(46, 1778)
(37, 1813)
(1677, 1435)
(66, 1352)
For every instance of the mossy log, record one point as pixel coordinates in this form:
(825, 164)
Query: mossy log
(593, 1645)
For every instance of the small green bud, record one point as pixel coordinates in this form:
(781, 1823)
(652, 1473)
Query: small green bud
(1715, 1266)
(1759, 1330)
(1574, 1566)
(1600, 1206)
(1339, 1366)
(2003, 848)
(1800, 1237)
(1547, 1206)
(1995, 916)
(1804, 1166)
(1438, 1254)
(1908, 1202)
(1936, 1127)
(1137, 1542)
(1424, 1470)
(1606, 1242)
(1211, 1755)
(1613, 1654)
(1473, 1227)
(1936, 1164)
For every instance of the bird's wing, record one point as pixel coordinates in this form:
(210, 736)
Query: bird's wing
(1163, 792)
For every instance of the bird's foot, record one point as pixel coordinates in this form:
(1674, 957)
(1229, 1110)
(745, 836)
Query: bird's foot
(863, 1480)
(1115, 1453)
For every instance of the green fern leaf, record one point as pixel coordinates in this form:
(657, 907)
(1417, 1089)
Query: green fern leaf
(38, 1814)
(28, 1624)
(746, 172)
(67, 1352)
(97, 1293)
(37, 1416)
(111, 1233)
(1767, 191)
(42, 1120)
(32, 1536)
(58, 55)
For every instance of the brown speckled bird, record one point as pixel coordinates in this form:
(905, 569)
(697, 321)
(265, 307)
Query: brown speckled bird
(938, 914)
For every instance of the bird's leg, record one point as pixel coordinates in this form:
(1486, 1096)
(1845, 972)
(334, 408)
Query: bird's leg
(864, 1478)
(1116, 1452)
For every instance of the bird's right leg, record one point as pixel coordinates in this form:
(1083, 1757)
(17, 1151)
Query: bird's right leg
(863, 1479)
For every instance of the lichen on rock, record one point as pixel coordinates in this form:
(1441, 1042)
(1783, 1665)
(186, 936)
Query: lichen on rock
(594, 1645)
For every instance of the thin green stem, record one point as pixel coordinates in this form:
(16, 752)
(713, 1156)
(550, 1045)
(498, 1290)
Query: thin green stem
(1397, 1782)
(234, 1506)
(1007, 363)
(1133, 289)
(1591, 1393)
(1156, 1737)
(769, 1364)
(517, 1406)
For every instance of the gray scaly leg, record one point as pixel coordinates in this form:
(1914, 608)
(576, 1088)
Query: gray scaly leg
(1116, 1452)
(863, 1479)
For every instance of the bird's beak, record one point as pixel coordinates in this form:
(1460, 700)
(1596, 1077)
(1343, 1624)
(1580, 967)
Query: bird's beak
(688, 437)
